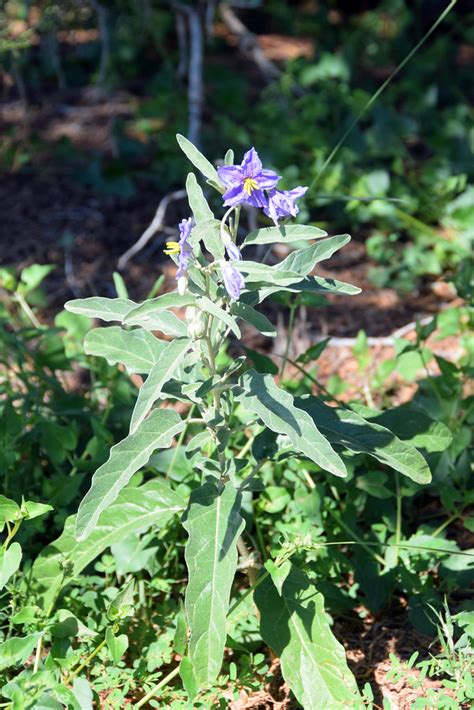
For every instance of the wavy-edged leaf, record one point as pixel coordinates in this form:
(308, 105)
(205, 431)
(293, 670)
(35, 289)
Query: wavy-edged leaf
(250, 315)
(303, 261)
(256, 273)
(198, 203)
(159, 319)
(156, 305)
(135, 509)
(108, 309)
(126, 457)
(313, 663)
(261, 395)
(210, 307)
(213, 523)
(346, 428)
(311, 284)
(138, 350)
(414, 427)
(284, 233)
(151, 390)
(209, 232)
(197, 159)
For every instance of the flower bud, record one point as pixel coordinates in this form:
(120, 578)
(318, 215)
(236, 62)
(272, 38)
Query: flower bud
(182, 285)
(196, 328)
(190, 314)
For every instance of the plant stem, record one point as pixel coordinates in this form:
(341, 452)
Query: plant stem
(11, 534)
(157, 687)
(38, 654)
(398, 524)
(289, 335)
(87, 661)
(444, 525)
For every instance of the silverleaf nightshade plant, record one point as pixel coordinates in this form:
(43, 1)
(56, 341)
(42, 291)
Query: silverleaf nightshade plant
(218, 285)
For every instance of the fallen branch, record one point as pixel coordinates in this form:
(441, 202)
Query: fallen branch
(155, 226)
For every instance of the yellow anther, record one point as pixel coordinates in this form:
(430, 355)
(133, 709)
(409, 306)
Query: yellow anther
(172, 248)
(250, 185)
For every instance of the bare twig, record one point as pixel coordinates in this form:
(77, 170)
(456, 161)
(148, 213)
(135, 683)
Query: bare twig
(155, 226)
(195, 86)
(102, 18)
(182, 45)
(248, 42)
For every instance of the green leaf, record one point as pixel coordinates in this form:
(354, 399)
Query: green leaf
(117, 645)
(122, 605)
(120, 286)
(138, 350)
(34, 509)
(303, 261)
(262, 363)
(250, 315)
(9, 562)
(33, 275)
(415, 427)
(296, 627)
(83, 693)
(209, 306)
(151, 390)
(160, 319)
(198, 203)
(209, 232)
(261, 273)
(276, 409)
(107, 309)
(135, 510)
(288, 234)
(311, 284)
(15, 651)
(127, 457)
(213, 523)
(186, 673)
(197, 159)
(346, 428)
(9, 510)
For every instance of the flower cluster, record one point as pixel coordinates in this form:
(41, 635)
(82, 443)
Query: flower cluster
(247, 183)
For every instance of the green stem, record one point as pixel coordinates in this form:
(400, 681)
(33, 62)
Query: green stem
(289, 335)
(87, 661)
(11, 533)
(357, 540)
(398, 524)
(157, 687)
(38, 654)
(447, 522)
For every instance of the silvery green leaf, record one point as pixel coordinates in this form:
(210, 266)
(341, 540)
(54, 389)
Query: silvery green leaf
(346, 428)
(261, 273)
(138, 350)
(126, 457)
(260, 395)
(161, 372)
(9, 562)
(209, 232)
(303, 261)
(213, 523)
(287, 234)
(310, 284)
(210, 307)
(313, 662)
(239, 309)
(135, 510)
(138, 314)
(159, 319)
(229, 157)
(197, 202)
(108, 309)
(197, 159)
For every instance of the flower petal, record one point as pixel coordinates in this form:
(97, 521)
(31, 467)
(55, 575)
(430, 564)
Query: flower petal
(267, 179)
(234, 282)
(257, 199)
(251, 164)
(230, 175)
(235, 195)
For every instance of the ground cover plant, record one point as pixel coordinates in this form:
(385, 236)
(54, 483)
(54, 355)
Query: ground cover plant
(241, 501)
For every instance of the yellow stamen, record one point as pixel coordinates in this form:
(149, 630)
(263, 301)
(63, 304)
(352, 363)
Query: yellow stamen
(172, 248)
(250, 185)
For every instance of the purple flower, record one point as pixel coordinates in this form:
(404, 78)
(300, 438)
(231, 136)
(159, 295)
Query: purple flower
(233, 251)
(246, 182)
(281, 203)
(233, 280)
(182, 248)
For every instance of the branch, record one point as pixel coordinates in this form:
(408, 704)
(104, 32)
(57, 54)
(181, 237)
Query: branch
(155, 226)
(195, 84)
